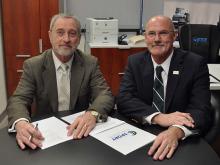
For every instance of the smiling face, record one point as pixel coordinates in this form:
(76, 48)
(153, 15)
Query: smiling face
(159, 36)
(64, 36)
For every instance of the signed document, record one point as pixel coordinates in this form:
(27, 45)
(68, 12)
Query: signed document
(100, 127)
(117, 134)
(54, 131)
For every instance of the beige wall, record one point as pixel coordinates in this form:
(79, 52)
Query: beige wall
(3, 98)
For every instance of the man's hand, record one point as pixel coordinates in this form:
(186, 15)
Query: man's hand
(26, 130)
(175, 118)
(166, 143)
(82, 126)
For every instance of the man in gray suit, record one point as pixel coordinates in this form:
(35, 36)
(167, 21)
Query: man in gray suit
(62, 78)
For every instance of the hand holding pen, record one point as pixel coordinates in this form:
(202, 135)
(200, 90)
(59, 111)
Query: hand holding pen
(31, 136)
(28, 135)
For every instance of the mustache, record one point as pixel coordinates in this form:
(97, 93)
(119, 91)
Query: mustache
(67, 45)
(158, 44)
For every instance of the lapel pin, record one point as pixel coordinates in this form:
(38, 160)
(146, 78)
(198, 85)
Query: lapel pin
(176, 72)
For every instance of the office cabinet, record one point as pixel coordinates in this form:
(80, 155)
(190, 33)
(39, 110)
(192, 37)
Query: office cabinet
(25, 33)
(113, 62)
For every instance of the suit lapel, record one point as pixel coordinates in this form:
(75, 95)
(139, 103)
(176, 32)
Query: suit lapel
(174, 75)
(50, 83)
(77, 74)
(148, 76)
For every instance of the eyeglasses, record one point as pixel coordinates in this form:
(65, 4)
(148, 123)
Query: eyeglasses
(71, 34)
(163, 34)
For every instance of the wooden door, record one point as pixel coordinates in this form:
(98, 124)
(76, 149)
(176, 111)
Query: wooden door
(120, 59)
(23, 27)
(105, 58)
(112, 64)
(48, 8)
(20, 36)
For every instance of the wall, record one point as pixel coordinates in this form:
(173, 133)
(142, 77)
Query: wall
(3, 98)
(126, 11)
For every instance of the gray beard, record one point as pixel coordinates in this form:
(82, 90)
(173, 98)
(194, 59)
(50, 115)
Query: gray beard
(63, 52)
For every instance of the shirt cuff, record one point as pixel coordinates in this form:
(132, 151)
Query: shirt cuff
(149, 118)
(186, 131)
(12, 128)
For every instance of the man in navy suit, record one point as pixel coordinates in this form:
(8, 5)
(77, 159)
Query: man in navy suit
(185, 82)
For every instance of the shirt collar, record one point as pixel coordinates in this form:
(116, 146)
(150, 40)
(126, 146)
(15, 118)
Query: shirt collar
(165, 64)
(58, 63)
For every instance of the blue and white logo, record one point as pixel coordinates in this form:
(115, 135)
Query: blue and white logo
(200, 40)
(132, 133)
(123, 134)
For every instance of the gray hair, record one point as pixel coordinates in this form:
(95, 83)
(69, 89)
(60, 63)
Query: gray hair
(62, 15)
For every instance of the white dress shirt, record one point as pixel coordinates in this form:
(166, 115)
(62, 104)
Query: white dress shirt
(164, 74)
(58, 64)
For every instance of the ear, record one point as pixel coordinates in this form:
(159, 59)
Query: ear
(79, 38)
(175, 35)
(50, 35)
(145, 35)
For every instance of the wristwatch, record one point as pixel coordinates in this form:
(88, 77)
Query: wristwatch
(100, 118)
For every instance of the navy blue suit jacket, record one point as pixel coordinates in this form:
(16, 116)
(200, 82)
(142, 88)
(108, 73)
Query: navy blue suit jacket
(187, 91)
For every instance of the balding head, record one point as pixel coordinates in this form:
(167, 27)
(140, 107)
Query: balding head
(161, 18)
(159, 36)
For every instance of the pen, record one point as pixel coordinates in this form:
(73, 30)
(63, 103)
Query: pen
(36, 128)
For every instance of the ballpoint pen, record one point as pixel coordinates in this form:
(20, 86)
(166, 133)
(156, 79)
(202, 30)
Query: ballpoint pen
(36, 128)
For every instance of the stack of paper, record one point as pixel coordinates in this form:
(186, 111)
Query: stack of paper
(53, 130)
(125, 138)
(117, 134)
(100, 127)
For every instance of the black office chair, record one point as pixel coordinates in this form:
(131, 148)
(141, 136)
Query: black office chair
(214, 130)
(201, 39)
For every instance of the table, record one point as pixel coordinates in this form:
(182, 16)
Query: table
(191, 151)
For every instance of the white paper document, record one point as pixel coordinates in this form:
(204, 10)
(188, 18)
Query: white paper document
(125, 138)
(213, 80)
(100, 127)
(53, 130)
(110, 123)
(117, 134)
(214, 71)
(71, 118)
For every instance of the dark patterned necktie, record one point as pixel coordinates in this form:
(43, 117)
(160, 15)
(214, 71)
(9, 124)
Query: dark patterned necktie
(158, 91)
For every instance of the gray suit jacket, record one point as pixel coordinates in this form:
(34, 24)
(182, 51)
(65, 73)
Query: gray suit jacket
(88, 89)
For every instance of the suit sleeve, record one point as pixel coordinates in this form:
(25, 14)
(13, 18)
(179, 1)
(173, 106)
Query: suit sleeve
(101, 96)
(199, 105)
(19, 104)
(130, 100)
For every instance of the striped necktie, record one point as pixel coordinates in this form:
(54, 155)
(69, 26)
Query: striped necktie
(64, 88)
(158, 91)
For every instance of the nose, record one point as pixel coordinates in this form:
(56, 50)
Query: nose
(66, 37)
(157, 37)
